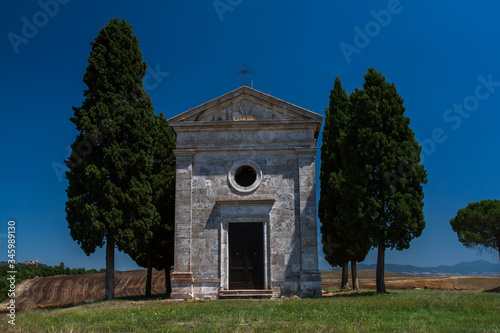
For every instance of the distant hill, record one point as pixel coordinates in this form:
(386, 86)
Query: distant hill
(474, 268)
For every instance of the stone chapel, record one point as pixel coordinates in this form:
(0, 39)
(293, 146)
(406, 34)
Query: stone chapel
(245, 211)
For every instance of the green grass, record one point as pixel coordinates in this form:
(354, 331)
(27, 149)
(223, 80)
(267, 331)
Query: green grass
(397, 311)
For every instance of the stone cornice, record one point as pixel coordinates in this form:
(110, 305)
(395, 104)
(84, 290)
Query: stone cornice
(306, 150)
(238, 125)
(245, 146)
(186, 153)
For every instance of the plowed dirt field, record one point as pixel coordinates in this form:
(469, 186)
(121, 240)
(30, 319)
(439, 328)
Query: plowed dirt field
(62, 290)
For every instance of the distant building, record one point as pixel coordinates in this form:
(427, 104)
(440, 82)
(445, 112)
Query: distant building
(30, 262)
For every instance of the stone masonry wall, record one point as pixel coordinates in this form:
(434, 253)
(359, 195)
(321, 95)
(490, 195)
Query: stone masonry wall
(210, 184)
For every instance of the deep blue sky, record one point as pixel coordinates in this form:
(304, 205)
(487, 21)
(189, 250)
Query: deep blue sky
(434, 51)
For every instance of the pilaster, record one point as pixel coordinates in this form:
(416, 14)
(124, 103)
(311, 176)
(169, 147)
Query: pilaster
(181, 276)
(310, 279)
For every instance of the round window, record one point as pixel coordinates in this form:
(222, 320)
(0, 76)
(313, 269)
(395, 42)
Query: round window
(245, 176)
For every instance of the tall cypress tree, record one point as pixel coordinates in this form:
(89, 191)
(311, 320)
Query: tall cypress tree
(154, 246)
(331, 178)
(391, 173)
(344, 237)
(109, 192)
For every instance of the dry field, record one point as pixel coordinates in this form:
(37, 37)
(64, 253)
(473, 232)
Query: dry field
(64, 290)
(396, 281)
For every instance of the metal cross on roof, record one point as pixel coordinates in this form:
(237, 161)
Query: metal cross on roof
(244, 71)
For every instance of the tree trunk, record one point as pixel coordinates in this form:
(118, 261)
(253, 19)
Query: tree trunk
(380, 268)
(354, 275)
(109, 293)
(149, 274)
(168, 285)
(345, 276)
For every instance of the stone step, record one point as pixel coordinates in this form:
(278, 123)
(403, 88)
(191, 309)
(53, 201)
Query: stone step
(245, 294)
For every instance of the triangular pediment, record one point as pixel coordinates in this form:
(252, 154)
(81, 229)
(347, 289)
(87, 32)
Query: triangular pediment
(245, 104)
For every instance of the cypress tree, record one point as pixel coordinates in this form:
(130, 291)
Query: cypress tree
(344, 237)
(155, 245)
(109, 192)
(390, 175)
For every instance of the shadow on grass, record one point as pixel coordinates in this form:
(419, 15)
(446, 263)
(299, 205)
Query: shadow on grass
(157, 297)
(494, 290)
(56, 306)
(351, 294)
(135, 298)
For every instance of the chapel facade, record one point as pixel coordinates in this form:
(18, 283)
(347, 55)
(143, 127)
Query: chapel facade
(245, 212)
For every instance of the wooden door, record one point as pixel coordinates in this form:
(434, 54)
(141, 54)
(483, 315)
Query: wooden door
(246, 256)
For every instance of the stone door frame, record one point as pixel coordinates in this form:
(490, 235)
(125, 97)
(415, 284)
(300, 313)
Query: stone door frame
(244, 211)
